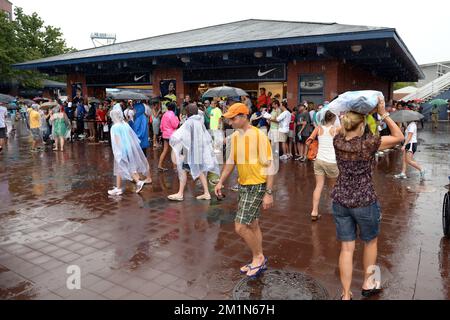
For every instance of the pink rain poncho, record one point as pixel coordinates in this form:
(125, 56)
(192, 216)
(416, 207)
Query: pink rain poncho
(128, 155)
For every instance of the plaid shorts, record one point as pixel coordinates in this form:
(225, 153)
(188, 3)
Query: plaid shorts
(250, 199)
(36, 134)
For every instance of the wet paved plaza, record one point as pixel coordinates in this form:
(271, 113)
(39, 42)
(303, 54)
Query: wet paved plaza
(55, 212)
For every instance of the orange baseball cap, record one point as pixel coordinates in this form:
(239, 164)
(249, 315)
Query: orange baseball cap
(236, 109)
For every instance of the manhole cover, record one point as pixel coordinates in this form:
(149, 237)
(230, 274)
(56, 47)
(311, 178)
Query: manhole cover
(280, 285)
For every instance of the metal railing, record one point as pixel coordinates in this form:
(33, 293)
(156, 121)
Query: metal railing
(431, 89)
(441, 69)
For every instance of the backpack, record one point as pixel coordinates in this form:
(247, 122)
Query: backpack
(80, 112)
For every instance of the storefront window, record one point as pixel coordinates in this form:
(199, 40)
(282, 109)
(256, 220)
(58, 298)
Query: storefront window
(311, 88)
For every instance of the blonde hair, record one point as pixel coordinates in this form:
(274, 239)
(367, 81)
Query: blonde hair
(351, 120)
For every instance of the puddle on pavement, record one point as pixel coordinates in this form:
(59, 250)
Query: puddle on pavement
(70, 217)
(280, 285)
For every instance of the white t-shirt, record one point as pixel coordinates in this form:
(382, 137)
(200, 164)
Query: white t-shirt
(129, 114)
(412, 128)
(3, 113)
(311, 115)
(147, 111)
(284, 119)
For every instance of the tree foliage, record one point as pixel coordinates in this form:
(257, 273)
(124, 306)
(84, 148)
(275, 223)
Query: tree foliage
(400, 85)
(27, 38)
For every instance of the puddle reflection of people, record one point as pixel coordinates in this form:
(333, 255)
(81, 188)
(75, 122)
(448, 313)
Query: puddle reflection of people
(193, 153)
(253, 160)
(129, 160)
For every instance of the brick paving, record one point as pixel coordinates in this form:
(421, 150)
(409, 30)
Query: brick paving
(54, 212)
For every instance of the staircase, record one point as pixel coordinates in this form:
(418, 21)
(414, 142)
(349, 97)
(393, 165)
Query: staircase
(431, 90)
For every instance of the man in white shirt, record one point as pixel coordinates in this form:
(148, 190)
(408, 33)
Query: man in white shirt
(283, 120)
(129, 112)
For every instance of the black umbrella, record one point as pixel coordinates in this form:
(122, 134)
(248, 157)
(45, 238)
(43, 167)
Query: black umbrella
(6, 98)
(12, 107)
(27, 102)
(127, 95)
(224, 92)
(406, 116)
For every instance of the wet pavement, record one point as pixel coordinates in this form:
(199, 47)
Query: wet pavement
(55, 212)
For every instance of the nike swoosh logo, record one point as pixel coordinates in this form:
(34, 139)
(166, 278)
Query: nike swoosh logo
(138, 78)
(261, 74)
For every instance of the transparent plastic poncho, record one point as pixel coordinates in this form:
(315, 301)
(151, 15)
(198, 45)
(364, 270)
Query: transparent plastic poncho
(192, 145)
(128, 155)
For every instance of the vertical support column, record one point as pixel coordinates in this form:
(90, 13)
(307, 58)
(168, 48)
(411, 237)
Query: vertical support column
(76, 78)
(168, 74)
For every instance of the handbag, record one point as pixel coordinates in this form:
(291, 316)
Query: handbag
(313, 144)
(313, 150)
(105, 128)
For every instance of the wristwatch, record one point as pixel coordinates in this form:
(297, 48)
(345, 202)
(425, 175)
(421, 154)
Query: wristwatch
(269, 192)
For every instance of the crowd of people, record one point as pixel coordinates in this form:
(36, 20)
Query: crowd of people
(196, 136)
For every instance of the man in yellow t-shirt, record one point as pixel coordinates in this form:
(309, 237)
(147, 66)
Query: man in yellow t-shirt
(35, 127)
(252, 154)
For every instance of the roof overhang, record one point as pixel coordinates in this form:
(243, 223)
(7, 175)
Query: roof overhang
(382, 34)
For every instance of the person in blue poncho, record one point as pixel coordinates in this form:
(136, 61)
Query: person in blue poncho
(140, 126)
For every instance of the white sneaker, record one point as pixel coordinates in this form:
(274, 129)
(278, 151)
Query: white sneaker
(235, 188)
(400, 176)
(204, 197)
(139, 186)
(115, 192)
(284, 157)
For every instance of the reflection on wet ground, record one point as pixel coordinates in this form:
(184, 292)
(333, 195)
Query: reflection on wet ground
(54, 212)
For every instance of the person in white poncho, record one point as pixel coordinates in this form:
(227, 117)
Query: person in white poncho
(129, 159)
(193, 152)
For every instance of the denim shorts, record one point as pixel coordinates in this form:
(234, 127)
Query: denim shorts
(349, 220)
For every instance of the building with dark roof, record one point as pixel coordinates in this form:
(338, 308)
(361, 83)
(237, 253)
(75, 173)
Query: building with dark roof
(298, 60)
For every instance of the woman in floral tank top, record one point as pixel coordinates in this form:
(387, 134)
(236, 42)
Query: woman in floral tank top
(355, 203)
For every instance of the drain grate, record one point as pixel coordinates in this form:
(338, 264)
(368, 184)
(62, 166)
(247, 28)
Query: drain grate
(280, 285)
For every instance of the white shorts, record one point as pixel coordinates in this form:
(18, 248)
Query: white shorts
(274, 136)
(282, 137)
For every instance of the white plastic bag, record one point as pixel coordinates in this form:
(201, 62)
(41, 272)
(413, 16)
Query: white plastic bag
(266, 115)
(357, 101)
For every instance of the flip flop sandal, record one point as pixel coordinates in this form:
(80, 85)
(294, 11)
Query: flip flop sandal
(248, 266)
(260, 269)
(371, 292)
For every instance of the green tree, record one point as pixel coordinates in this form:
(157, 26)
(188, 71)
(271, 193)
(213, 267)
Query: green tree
(400, 85)
(27, 38)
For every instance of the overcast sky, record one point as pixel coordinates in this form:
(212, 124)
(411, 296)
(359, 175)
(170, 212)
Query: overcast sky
(424, 26)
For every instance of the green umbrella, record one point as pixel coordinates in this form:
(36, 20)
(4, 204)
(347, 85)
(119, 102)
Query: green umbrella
(438, 102)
